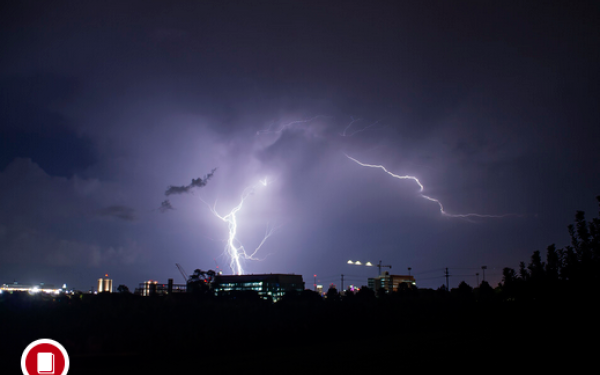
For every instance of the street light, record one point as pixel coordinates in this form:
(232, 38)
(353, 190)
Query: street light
(368, 264)
(359, 263)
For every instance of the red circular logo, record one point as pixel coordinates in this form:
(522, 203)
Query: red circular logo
(45, 357)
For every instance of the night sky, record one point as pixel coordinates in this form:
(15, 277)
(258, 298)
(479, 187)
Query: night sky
(492, 106)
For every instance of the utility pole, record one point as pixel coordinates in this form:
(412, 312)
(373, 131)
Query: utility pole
(483, 268)
(409, 271)
(477, 275)
(342, 283)
(447, 276)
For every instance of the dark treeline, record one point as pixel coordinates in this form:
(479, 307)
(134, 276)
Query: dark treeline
(568, 273)
(107, 331)
(547, 305)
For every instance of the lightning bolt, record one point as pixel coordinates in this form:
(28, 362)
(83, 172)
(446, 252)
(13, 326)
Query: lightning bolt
(422, 188)
(233, 247)
(348, 133)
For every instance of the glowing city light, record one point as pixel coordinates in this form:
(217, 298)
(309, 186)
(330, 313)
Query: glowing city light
(359, 263)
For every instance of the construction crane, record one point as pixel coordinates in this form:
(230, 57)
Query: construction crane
(185, 276)
(381, 266)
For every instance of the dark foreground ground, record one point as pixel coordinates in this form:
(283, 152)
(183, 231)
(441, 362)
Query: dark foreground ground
(121, 334)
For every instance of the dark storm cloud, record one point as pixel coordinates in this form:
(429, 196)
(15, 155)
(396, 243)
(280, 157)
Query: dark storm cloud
(196, 183)
(30, 128)
(38, 216)
(165, 206)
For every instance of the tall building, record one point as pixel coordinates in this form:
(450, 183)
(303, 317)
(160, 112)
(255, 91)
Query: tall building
(104, 284)
(390, 282)
(267, 286)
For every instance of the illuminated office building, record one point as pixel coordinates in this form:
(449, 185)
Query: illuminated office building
(391, 282)
(268, 286)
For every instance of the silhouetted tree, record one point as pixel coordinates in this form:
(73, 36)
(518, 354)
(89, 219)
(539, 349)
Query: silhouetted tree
(332, 294)
(365, 295)
(308, 295)
(291, 294)
(464, 292)
(508, 276)
(523, 274)
(123, 289)
(536, 267)
(349, 295)
(575, 268)
(509, 284)
(552, 264)
(568, 263)
(583, 238)
(405, 292)
(535, 283)
(441, 292)
(595, 237)
(485, 292)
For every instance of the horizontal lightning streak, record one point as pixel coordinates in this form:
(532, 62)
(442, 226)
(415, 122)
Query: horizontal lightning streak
(421, 188)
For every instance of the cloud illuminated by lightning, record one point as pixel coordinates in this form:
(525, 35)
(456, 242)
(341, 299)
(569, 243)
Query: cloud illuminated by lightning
(233, 247)
(422, 188)
(281, 127)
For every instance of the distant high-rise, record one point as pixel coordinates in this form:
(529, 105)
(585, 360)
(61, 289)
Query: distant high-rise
(104, 284)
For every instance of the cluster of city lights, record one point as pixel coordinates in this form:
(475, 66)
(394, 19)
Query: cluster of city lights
(33, 289)
(359, 263)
